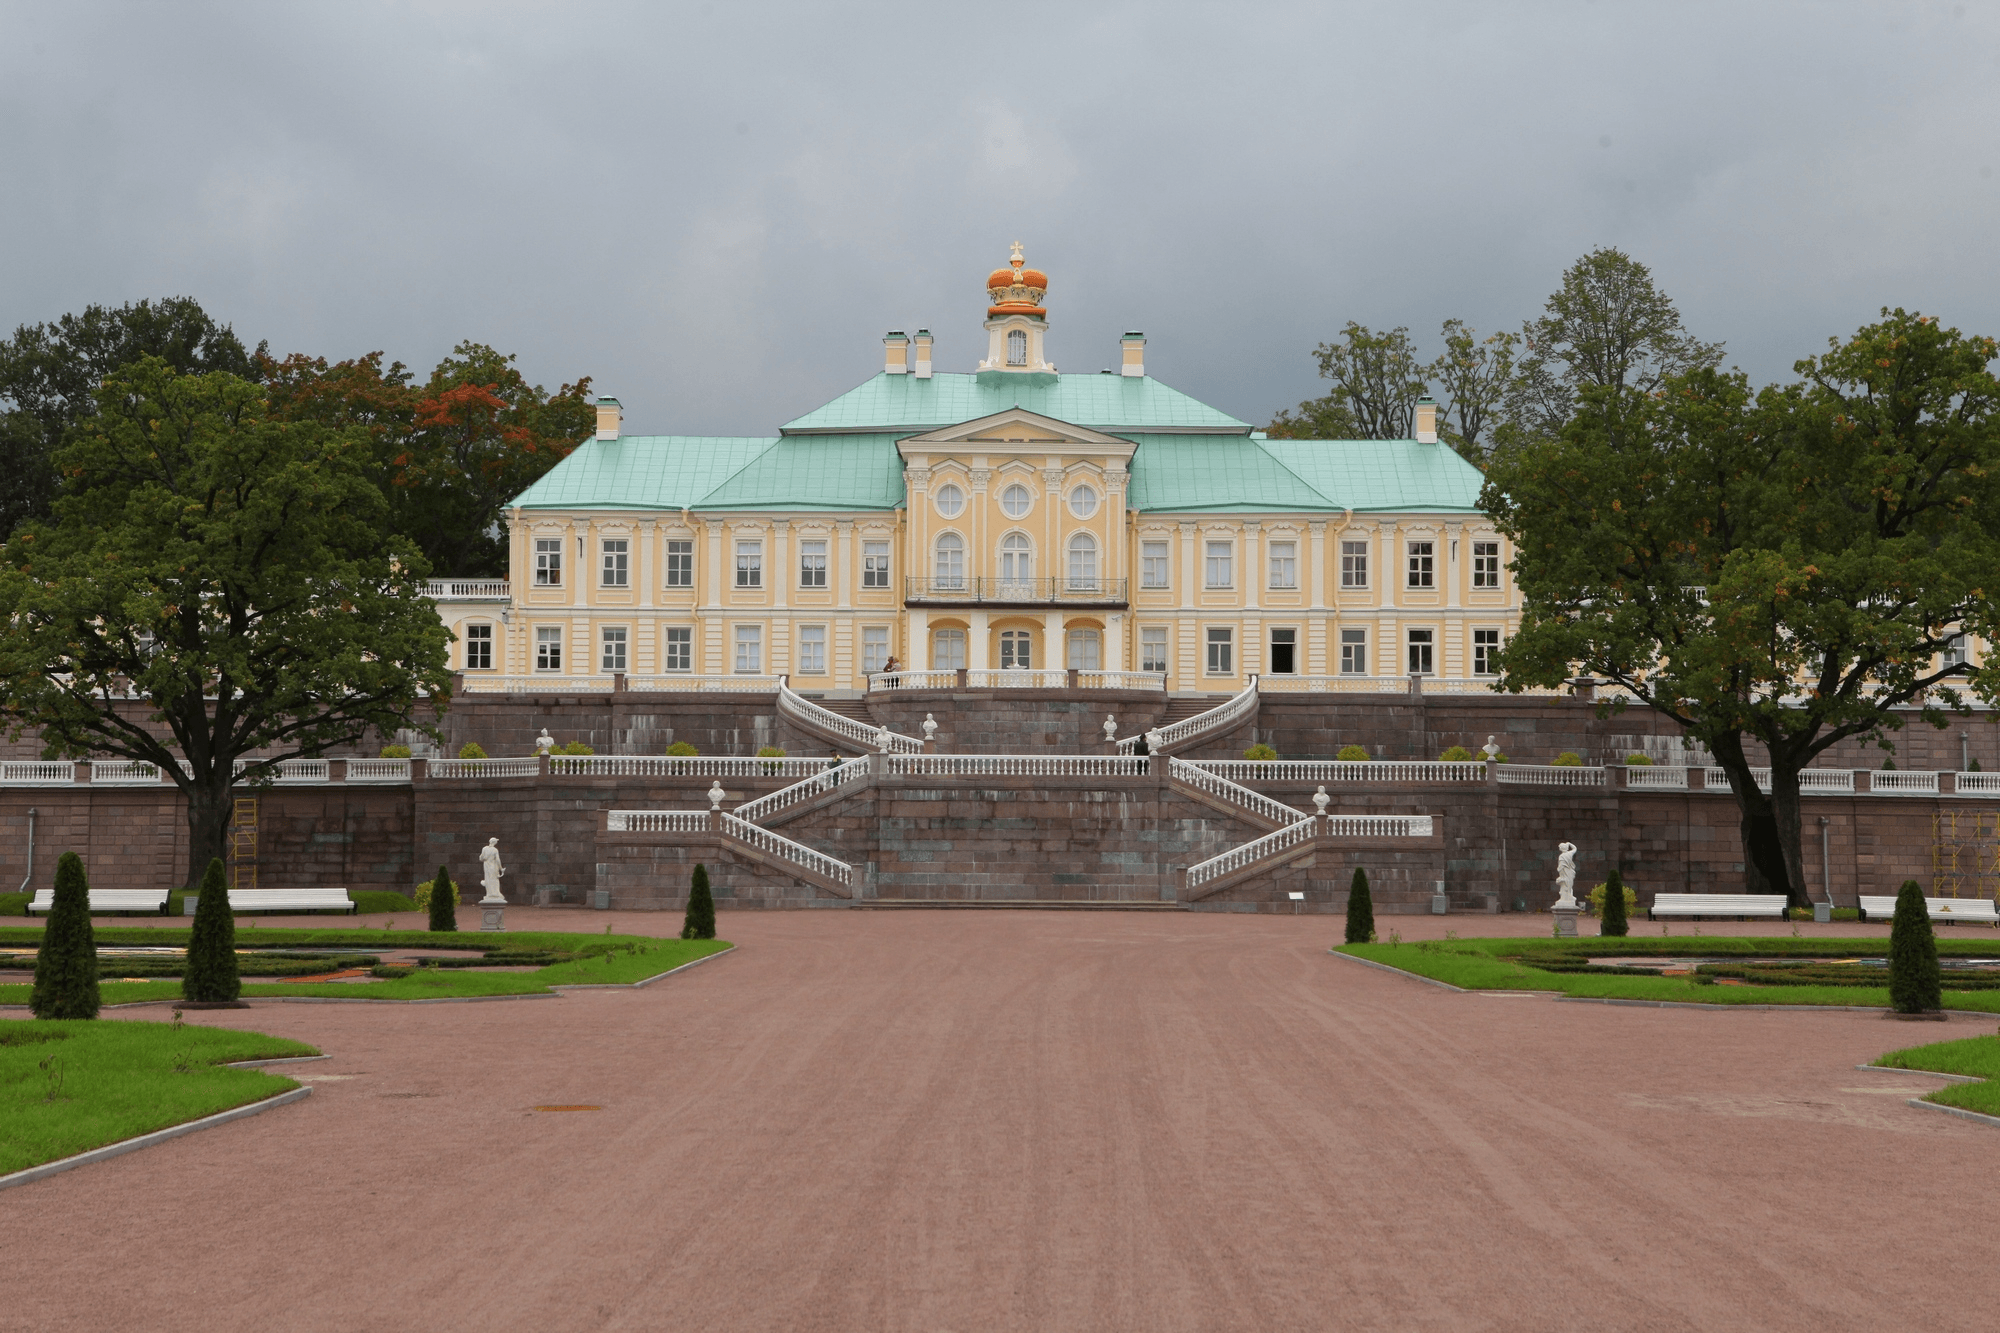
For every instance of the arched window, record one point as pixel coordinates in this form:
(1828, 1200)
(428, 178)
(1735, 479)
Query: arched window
(950, 565)
(1017, 500)
(1086, 650)
(1017, 347)
(1083, 563)
(1017, 650)
(948, 650)
(1017, 565)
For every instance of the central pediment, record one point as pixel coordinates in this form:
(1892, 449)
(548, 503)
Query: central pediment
(1016, 429)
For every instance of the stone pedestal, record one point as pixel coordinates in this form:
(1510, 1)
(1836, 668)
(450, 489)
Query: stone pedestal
(1566, 921)
(492, 915)
(1822, 913)
(1440, 900)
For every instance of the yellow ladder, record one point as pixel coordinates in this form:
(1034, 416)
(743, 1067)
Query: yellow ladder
(243, 845)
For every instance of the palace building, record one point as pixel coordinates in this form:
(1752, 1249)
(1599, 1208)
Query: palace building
(1008, 518)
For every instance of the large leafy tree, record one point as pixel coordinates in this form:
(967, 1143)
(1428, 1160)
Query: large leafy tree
(50, 373)
(1377, 380)
(1475, 376)
(447, 454)
(227, 570)
(1777, 572)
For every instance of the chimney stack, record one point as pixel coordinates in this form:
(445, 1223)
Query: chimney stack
(896, 353)
(923, 354)
(1134, 347)
(609, 417)
(1427, 420)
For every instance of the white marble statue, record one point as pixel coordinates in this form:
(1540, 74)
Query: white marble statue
(1111, 730)
(1566, 874)
(489, 859)
(545, 744)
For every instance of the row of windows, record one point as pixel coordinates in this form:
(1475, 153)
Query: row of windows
(677, 650)
(1220, 642)
(1015, 502)
(616, 570)
(1219, 566)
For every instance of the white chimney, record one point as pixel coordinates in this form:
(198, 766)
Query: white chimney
(1427, 420)
(896, 353)
(1134, 347)
(923, 354)
(609, 417)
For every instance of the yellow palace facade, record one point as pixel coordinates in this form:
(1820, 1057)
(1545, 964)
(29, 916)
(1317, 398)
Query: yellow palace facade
(1013, 523)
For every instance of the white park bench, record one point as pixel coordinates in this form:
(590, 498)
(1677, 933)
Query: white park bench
(281, 900)
(1717, 904)
(1969, 910)
(108, 900)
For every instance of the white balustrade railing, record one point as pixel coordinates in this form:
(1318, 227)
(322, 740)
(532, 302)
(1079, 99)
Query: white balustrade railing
(1267, 848)
(681, 766)
(1456, 685)
(784, 849)
(1821, 781)
(914, 680)
(378, 770)
(478, 683)
(1655, 777)
(1017, 765)
(815, 786)
(656, 821)
(1275, 812)
(677, 682)
(124, 772)
(1222, 718)
(800, 709)
(1978, 784)
(1017, 678)
(1343, 684)
(1122, 680)
(303, 770)
(484, 768)
(467, 590)
(1550, 775)
(37, 772)
(1902, 783)
(1342, 770)
(1380, 826)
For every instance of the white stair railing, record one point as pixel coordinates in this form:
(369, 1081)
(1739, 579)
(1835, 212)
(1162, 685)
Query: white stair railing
(805, 712)
(853, 770)
(681, 766)
(1341, 770)
(1016, 765)
(1253, 802)
(784, 849)
(1267, 848)
(1224, 717)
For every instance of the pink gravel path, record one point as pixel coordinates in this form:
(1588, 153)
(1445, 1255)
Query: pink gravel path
(999, 1120)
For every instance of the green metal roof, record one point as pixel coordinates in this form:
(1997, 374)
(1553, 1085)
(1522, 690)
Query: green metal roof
(1388, 475)
(642, 472)
(816, 472)
(1238, 474)
(1216, 474)
(904, 404)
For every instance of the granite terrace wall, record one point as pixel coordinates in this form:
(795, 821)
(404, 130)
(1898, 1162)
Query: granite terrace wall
(653, 872)
(1018, 721)
(624, 723)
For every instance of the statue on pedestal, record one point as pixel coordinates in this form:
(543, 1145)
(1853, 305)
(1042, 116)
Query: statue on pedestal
(1566, 874)
(491, 871)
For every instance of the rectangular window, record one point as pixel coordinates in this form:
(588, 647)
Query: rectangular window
(1152, 564)
(1284, 652)
(1486, 564)
(948, 650)
(874, 564)
(1221, 658)
(1086, 649)
(874, 648)
(1420, 652)
(548, 648)
(478, 647)
(617, 562)
(1220, 561)
(1485, 643)
(1354, 652)
(1954, 653)
(614, 650)
(680, 564)
(1284, 564)
(1354, 564)
(812, 650)
(749, 649)
(1153, 648)
(1422, 562)
(548, 562)
(749, 564)
(812, 564)
(680, 648)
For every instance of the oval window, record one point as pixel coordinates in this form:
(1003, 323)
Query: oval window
(950, 500)
(1083, 502)
(1016, 500)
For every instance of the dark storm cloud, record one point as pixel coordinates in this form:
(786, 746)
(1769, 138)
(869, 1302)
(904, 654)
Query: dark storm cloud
(716, 210)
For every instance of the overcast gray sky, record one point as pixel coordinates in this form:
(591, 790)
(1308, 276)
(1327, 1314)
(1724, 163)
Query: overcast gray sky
(716, 210)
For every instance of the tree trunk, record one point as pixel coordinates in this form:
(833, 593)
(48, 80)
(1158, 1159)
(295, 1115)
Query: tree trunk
(1763, 850)
(208, 814)
(1785, 817)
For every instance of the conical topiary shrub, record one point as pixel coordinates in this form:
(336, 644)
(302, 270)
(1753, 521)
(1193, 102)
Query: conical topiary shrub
(1913, 963)
(1612, 922)
(211, 976)
(1360, 910)
(700, 923)
(66, 967)
(443, 902)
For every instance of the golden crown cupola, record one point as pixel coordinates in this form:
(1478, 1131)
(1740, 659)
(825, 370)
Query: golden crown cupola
(1016, 320)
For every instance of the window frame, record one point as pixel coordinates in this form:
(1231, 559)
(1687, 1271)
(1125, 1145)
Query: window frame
(1284, 569)
(872, 574)
(1227, 561)
(1420, 555)
(549, 648)
(1149, 635)
(1017, 347)
(1027, 505)
(548, 562)
(1222, 662)
(810, 575)
(608, 638)
(678, 637)
(1076, 638)
(752, 638)
(481, 636)
(1485, 565)
(953, 635)
(870, 663)
(1081, 544)
(1291, 641)
(938, 501)
(954, 581)
(749, 562)
(614, 562)
(1017, 649)
(1354, 648)
(1354, 563)
(1083, 490)
(680, 562)
(812, 650)
(1420, 649)
(1485, 642)
(1156, 569)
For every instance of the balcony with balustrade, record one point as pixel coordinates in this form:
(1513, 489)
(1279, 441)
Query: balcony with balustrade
(974, 590)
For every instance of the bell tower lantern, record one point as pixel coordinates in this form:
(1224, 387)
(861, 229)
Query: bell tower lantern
(1016, 321)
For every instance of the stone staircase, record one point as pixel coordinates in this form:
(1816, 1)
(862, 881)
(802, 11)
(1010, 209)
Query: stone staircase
(1179, 710)
(856, 709)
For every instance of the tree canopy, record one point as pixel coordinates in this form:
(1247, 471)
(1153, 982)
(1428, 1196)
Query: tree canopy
(228, 570)
(1784, 568)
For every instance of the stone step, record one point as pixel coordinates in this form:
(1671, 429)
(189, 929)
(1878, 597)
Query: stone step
(1023, 904)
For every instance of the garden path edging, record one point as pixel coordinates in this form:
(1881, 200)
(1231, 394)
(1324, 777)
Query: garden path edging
(1959, 1111)
(644, 981)
(29, 1175)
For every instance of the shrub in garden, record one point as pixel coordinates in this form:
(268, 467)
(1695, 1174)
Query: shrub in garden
(574, 747)
(472, 750)
(1636, 760)
(1598, 897)
(700, 921)
(1261, 753)
(1612, 907)
(443, 902)
(1569, 759)
(681, 750)
(66, 967)
(1353, 754)
(1360, 910)
(1913, 958)
(1457, 754)
(211, 976)
(395, 752)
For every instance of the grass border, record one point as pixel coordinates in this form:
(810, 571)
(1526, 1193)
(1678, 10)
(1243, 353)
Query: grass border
(29, 1175)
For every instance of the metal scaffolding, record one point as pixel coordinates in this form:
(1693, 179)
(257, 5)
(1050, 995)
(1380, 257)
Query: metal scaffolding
(243, 845)
(1965, 854)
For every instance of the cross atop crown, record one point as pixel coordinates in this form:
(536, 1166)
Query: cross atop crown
(1017, 255)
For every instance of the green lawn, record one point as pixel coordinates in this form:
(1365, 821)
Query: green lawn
(1976, 1056)
(1510, 964)
(67, 1087)
(584, 960)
